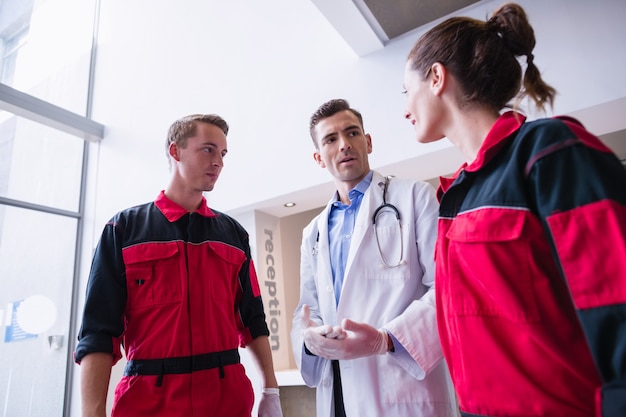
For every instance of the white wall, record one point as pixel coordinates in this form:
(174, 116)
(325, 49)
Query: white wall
(265, 67)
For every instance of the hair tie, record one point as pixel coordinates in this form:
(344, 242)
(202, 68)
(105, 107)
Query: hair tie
(529, 58)
(494, 27)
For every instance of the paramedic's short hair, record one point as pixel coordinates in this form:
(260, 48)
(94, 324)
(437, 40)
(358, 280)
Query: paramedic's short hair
(185, 127)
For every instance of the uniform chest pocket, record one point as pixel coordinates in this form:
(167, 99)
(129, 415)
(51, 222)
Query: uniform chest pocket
(223, 271)
(153, 274)
(490, 267)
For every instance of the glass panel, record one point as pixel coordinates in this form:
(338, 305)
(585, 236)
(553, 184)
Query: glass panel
(45, 49)
(36, 274)
(39, 164)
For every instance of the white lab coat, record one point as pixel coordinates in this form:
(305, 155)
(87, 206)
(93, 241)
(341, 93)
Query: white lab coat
(399, 299)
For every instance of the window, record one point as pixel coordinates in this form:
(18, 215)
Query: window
(39, 165)
(36, 274)
(45, 49)
(45, 60)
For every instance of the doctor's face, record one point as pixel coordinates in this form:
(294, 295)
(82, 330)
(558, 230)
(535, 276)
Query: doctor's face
(343, 147)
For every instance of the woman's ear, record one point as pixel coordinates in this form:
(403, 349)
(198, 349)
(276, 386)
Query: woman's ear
(438, 78)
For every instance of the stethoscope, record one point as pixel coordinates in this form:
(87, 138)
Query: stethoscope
(396, 212)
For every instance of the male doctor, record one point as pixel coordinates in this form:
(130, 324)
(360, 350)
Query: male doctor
(364, 332)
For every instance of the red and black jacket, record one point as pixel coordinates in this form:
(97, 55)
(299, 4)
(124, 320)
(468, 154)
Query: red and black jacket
(531, 273)
(178, 291)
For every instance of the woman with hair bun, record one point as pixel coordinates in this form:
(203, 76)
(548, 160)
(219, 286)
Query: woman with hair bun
(531, 251)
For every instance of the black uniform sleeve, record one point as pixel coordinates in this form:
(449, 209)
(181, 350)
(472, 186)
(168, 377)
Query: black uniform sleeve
(251, 307)
(103, 316)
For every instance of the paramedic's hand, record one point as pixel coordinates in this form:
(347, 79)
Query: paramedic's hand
(270, 403)
(360, 340)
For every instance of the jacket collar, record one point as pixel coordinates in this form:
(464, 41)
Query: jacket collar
(507, 124)
(173, 211)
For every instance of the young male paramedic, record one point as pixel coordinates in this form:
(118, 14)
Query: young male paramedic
(173, 284)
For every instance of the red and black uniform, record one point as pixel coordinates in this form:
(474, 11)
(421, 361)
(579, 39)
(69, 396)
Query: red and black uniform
(178, 291)
(531, 273)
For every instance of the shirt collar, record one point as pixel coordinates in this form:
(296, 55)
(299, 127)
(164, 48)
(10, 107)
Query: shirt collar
(359, 189)
(172, 211)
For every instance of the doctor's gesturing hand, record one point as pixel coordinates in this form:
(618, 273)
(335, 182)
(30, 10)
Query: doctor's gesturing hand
(351, 340)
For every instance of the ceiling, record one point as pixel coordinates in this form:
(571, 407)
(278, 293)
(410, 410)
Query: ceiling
(397, 17)
(368, 25)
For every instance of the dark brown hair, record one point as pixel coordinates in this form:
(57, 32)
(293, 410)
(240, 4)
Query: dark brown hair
(482, 56)
(185, 127)
(328, 109)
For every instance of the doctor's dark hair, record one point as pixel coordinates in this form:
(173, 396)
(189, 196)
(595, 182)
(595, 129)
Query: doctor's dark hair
(482, 56)
(328, 109)
(185, 127)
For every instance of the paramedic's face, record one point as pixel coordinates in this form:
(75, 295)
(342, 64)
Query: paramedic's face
(202, 159)
(343, 147)
(423, 108)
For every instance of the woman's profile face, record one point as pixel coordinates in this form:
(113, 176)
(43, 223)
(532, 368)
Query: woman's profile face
(423, 107)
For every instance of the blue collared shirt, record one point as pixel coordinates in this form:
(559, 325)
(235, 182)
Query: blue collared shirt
(341, 220)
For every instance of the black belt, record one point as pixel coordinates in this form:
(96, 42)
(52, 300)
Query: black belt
(182, 365)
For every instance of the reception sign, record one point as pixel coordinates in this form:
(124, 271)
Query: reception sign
(269, 264)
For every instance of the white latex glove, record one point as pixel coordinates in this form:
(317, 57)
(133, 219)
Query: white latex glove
(360, 340)
(311, 329)
(269, 406)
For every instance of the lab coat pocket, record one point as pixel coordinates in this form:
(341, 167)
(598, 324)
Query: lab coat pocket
(488, 265)
(152, 274)
(388, 258)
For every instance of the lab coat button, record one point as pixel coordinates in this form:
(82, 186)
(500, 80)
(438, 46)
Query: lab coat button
(329, 288)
